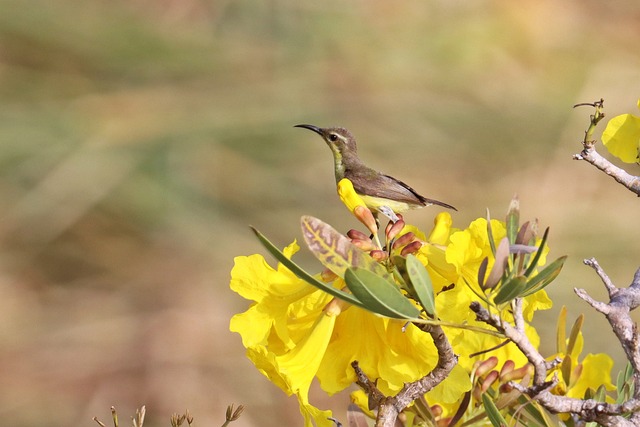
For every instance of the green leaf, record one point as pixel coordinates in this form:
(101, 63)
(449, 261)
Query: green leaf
(536, 257)
(298, 271)
(535, 413)
(421, 284)
(492, 411)
(622, 137)
(573, 335)
(510, 290)
(545, 277)
(490, 234)
(335, 251)
(565, 369)
(513, 219)
(379, 295)
(482, 271)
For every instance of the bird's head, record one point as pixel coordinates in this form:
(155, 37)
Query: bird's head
(340, 140)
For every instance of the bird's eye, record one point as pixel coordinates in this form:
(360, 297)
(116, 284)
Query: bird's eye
(333, 137)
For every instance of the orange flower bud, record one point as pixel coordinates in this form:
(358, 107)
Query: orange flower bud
(411, 248)
(517, 374)
(393, 229)
(378, 255)
(486, 365)
(357, 234)
(491, 378)
(436, 410)
(365, 216)
(365, 245)
(404, 240)
(508, 366)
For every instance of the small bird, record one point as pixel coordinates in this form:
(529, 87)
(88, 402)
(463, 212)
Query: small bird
(376, 189)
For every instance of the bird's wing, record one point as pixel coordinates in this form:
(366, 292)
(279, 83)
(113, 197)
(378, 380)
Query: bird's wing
(371, 183)
(388, 187)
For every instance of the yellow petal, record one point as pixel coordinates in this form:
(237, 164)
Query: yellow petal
(348, 195)
(596, 371)
(622, 137)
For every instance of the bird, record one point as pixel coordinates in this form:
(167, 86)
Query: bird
(376, 189)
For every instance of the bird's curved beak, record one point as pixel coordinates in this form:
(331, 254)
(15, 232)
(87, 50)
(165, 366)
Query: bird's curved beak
(316, 129)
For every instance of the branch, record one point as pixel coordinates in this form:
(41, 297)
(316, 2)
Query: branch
(589, 153)
(617, 312)
(588, 409)
(390, 407)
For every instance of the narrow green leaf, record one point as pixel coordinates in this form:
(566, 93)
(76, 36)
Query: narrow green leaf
(490, 234)
(565, 369)
(421, 284)
(575, 331)
(379, 295)
(492, 411)
(547, 420)
(334, 250)
(298, 271)
(510, 290)
(628, 372)
(534, 413)
(482, 271)
(536, 257)
(600, 394)
(545, 277)
(513, 220)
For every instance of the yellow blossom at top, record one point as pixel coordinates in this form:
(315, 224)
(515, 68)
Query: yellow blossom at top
(349, 196)
(294, 333)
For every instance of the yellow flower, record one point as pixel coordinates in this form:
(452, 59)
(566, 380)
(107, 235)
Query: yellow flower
(622, 137)
(592, 372)
(349, 196)
(465, 252)
(356, 205)
(293, 332)
(285, 330)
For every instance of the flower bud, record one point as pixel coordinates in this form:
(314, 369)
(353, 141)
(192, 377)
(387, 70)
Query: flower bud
(508, 366)
(404, 240)
(411, 248)
(393, 229)
(486, 366)
(487, 381)
(335, 307)
(378, 255)
(357, 234)
(517, 374)
(436, 410)
(505, 388)
(365, 245)
(365, 216)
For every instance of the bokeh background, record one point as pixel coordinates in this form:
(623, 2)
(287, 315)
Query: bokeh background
(140, 138)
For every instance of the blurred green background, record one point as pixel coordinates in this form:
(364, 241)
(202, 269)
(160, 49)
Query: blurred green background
(140, 138)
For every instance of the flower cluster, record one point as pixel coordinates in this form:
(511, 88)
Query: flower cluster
(295, 332)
